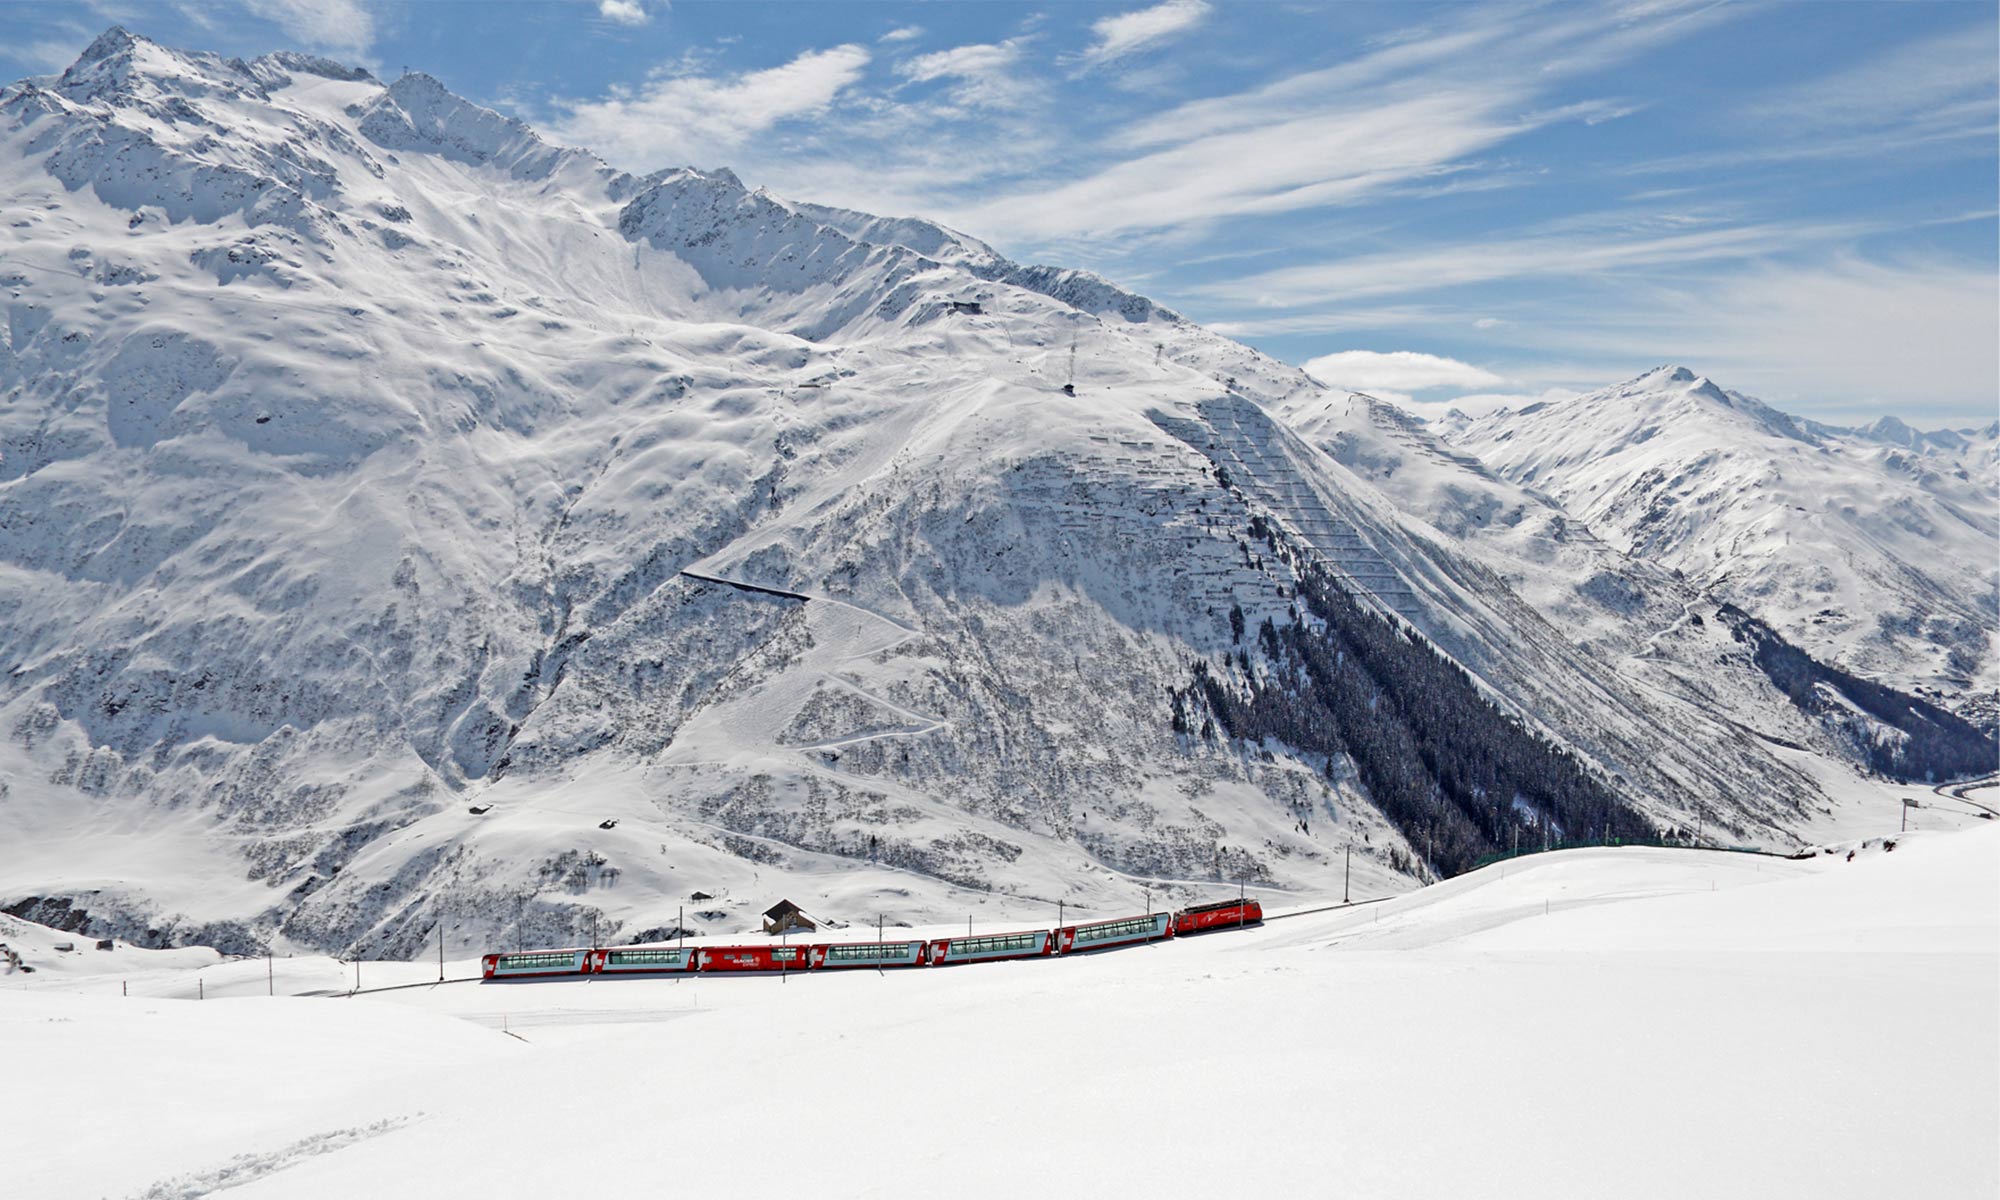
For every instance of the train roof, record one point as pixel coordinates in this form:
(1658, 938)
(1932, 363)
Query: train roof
(1201, 908)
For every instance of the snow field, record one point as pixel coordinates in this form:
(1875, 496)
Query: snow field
(1677, 1024)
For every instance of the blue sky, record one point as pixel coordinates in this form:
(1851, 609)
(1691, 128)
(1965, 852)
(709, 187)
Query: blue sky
(1428, 201)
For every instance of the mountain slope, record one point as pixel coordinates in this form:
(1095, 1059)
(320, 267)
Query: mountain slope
(1877, 550)
(414, 529)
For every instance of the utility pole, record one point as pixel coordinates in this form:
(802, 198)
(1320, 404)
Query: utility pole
(878, 943)
(440, 947)
(270, 976)
(681, 929)
(1347, 875)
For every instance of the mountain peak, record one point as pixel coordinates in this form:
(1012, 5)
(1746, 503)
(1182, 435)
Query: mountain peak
(115, 40)
(417, 112)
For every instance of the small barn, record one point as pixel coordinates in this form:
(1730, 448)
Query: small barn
(786, 917)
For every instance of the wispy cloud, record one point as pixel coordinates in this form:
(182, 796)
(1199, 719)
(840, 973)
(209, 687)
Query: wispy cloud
(1948, 83)
(1413, 109)
(690, 117)
(1578, 255)
(1918, 337)
(45, 54)
(1128, 33)
(338, 26)
(984, 74)
(902, 33)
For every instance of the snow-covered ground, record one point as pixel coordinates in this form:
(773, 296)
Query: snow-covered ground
(1588, 1023)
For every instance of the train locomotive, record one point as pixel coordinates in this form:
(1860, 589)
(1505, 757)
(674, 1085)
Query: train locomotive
(935, 952)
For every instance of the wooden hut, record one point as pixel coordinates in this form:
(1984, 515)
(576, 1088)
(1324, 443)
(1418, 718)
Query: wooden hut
(786, 917)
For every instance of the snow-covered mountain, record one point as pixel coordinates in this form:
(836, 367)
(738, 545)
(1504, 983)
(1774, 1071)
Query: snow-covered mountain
(406, 523)
(1877, 549)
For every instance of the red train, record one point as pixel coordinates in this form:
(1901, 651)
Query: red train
(937, 952)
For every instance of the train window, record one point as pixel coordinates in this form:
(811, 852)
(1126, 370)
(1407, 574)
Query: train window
(1115, 929)
(529, 962)
(996, 945)
(635, 958)
(868, 953)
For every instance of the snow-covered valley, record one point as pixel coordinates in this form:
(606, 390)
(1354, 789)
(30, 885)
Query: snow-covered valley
(408, 526)
(1630, 1022)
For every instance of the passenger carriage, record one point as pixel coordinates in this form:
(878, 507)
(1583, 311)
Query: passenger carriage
(869, 954)
(535, 964)
(1126, 931)
(992, 947)
(752, 958)
(644, 960)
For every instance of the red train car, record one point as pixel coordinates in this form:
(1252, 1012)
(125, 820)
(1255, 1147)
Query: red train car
(536, 964)
(990, 947)
(1102, 935)
(1224, 914)
(753, 958)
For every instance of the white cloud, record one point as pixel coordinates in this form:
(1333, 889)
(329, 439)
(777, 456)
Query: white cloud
(902, 33)
(1557, 255)
(985, 73)
(686, 118)
(1397, 116)
(333, 25)
(1843, 339)
(1834, 339)
(1943, 84)
(1278, 166)
(49, 55)
(624, 12)
(1128, 33)
(959, 62)
(1397, 373)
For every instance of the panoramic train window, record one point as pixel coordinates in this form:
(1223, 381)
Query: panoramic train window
(521, 962)
(641, 957)
(887, 950)
(1111, 929)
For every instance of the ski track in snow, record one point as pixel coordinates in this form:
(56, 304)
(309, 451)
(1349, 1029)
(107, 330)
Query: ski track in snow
(249, 1168)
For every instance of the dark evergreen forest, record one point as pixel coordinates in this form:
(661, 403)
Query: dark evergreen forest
(1460, 777)
(1922, 742)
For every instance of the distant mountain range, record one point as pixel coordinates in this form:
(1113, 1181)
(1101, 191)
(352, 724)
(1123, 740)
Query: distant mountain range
(1877, 549)
(410, 528)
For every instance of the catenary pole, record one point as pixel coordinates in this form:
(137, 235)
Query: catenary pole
(1347, 875)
